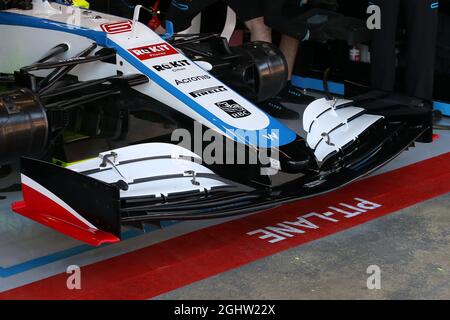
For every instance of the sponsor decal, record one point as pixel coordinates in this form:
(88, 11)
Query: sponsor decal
(207, 91)
(233, 108)
(117, 27)
(153, 51)
(192, 79)
(174, 65)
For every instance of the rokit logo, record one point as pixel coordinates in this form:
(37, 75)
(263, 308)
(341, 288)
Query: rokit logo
(233, 108)
(153, 51)
(174, 66)
(207, 91)
(192, 79)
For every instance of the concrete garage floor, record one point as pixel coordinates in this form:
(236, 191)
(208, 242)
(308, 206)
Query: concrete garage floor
(411, 247)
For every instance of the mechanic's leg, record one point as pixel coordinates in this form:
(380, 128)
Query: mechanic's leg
(289, 46)
(289, 94)
(422, 21)
(383, 46)
(258, 30)
(252, 13)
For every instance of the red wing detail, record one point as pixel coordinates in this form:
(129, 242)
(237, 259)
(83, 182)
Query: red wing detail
(40, 208)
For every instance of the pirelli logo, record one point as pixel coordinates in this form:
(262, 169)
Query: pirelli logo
(207, 91)
(153, 51)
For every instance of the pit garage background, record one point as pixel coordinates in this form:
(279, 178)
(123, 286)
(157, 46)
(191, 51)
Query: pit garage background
(348, 77)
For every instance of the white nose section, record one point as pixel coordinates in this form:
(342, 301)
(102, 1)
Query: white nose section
(330, 127)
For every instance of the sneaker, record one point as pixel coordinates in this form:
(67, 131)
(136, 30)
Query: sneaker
(275, 108)
(295, 95)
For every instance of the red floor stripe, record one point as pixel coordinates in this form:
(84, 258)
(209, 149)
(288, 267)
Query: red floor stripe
(166, 266)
